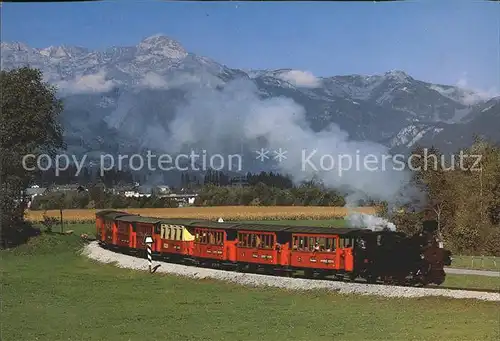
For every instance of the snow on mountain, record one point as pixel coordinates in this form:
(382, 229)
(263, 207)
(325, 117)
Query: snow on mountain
(116, 97)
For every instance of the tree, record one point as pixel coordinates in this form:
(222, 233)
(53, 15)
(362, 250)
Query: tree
(29, 124)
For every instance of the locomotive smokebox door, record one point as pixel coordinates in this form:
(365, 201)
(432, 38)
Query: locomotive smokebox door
(430, 226)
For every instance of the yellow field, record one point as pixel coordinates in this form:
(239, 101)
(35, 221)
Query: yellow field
(226, 212)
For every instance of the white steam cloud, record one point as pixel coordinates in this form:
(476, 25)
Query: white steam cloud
(363, 220)
(236, 115)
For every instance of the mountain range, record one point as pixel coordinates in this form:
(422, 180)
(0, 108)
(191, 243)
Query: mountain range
(116, 99)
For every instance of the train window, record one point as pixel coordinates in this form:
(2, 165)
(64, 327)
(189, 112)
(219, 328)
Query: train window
(216, 238)
(330, 244)
(269, 241)
(310, 244)
(241, 240)
(325, 244)
(301, 243)
(258, 241)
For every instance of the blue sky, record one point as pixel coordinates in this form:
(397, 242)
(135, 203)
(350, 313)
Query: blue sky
(445, 41)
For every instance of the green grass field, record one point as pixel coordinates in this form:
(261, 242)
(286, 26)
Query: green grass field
(477, 262)
(50, 292)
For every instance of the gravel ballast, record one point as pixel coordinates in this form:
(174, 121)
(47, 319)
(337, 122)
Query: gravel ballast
(95, 252)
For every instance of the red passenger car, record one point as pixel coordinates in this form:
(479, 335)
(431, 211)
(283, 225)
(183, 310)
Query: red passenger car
(323, 250)
(258, 244)
(132, 229)
(214, 241)
(174, 240)
(106, 226)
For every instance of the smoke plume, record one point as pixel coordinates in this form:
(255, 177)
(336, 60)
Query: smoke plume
(222, 119)
(363, 220)
(236, 115)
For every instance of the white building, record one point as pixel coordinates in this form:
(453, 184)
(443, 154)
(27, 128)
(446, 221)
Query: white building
(135, 194)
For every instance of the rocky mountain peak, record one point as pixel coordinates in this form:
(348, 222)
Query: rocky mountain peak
(162, 45)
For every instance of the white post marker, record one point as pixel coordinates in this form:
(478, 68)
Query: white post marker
(149, 242)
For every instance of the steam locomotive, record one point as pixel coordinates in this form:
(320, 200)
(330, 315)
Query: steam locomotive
(345, 253)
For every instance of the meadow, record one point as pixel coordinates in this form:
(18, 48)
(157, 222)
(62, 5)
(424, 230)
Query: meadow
(51, 292)
(214, 212)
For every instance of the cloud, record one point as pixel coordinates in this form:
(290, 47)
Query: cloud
(473, 95)
(153, 80)
(93, 83)
(299, 78)
(227, 120)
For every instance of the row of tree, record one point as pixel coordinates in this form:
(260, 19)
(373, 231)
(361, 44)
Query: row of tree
(88, 176)
(97, 198)
(264, 195)
(307, 194)
(463, 196)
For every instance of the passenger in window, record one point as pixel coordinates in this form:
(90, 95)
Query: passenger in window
(316, 247)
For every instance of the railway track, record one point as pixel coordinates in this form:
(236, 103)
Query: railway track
(296, 274)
